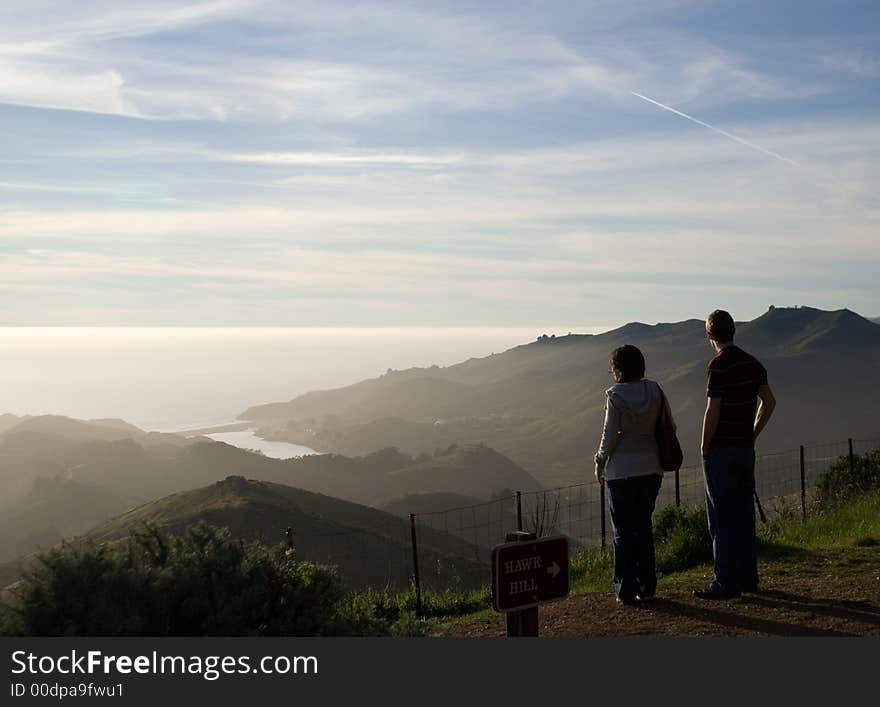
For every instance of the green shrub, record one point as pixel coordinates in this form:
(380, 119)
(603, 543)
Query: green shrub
(10, 623)
(839, 484)
(199, 583)
(681, 538)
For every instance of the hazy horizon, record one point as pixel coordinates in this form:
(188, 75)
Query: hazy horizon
(176, 378)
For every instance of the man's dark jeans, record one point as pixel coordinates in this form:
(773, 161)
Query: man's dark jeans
(730, 486)
(632, 503)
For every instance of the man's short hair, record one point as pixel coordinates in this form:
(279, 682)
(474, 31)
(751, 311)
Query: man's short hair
(720, 326)
(630, 362)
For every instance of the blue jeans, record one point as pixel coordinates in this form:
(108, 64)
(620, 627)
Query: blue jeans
(631, 501)
(729, 473)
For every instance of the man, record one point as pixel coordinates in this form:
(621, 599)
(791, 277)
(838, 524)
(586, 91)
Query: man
(736, 382)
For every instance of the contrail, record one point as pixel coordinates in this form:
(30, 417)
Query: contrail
(717, 130)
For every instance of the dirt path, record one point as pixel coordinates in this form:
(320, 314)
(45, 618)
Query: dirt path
(818, 594)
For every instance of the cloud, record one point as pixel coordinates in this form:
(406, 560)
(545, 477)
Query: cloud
(343, 62)
(98, 91)
(411, 157)
(861, 64)
(486, 198)
(41, 24)
(303, 286)
(330, 159)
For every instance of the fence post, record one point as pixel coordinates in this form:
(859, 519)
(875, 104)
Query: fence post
(415, 550)
(677, 490)
(803, 487)
(519, 525)
(602, 510)
(852, 460)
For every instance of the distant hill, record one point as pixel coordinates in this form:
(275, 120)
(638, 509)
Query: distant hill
(55, 485)
(108, 453)
(371, 479)
(74, 429)
(541, 404)
(876, 320)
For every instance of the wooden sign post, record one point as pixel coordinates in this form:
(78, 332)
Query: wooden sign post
(527, 572)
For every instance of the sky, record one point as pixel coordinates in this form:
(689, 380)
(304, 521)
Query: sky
(277, 163)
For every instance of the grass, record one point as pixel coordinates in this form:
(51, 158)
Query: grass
(855, 524)
(590, 571)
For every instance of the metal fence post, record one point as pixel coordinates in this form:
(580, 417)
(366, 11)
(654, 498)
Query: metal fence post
(803, 486)
(852, 460)
(677, 489)
(415, 551)
(602, 511)
(519, 525)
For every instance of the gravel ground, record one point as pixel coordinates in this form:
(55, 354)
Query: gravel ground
(833, 593)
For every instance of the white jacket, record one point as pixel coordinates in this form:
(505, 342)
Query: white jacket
(628, 446)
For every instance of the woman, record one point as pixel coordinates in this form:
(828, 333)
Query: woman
(627, 461)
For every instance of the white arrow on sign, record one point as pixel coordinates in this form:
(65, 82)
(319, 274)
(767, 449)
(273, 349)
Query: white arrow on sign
(553, 570)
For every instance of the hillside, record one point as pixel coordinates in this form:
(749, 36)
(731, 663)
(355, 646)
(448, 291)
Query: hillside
(369, 546)
(53, 509)
(541, 404)
(428, 503)
(8, 420)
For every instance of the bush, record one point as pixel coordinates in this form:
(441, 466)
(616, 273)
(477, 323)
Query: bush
(838, 484)
(200, 583)
(681, 538)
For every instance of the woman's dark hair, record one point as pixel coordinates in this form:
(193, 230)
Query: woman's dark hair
(629, 361)
(720, 326)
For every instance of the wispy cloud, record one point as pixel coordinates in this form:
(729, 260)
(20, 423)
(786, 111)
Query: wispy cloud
(90, 57)
(862, 64)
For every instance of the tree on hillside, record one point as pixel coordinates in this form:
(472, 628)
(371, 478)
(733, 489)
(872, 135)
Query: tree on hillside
(846, 479)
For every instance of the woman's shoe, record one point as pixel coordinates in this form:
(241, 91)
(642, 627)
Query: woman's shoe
(716, 591)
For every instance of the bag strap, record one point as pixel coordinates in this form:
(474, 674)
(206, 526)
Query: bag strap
(665, 412)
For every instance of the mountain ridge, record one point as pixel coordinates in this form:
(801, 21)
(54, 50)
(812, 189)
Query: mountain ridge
(538, 403)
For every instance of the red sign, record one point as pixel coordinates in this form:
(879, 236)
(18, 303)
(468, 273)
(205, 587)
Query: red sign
(525, 574)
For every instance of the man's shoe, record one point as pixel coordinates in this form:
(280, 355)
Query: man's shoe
(715, 591)
(750, 588)
(646, 597)
(625, 602)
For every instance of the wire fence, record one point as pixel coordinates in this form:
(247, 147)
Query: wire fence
(451, 549)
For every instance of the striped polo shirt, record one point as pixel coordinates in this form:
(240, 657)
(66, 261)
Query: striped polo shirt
(734, 376)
